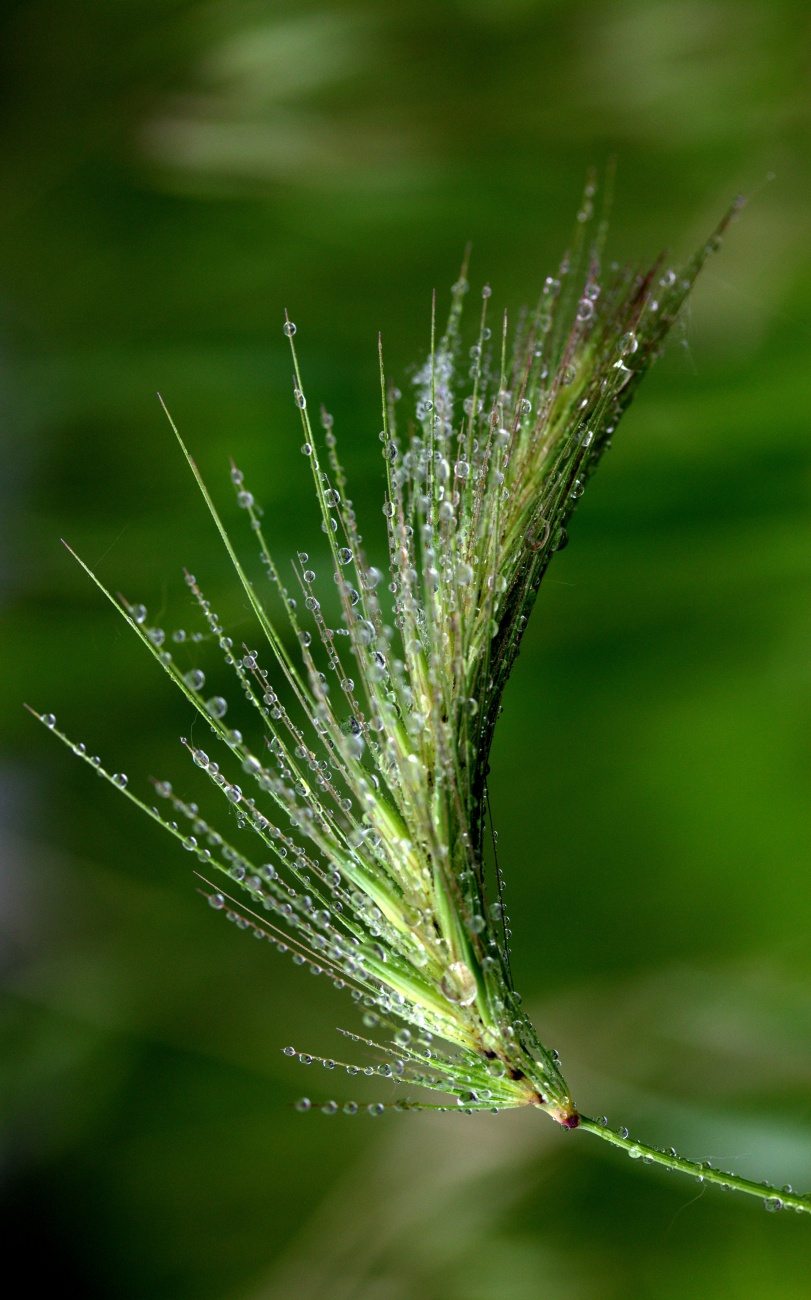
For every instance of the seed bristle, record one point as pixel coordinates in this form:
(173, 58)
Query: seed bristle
(368, 787)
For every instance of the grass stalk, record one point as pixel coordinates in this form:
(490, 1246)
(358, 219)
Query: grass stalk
(363, 781)
(773, 1198)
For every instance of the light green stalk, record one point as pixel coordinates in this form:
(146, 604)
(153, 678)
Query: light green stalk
(369, 801)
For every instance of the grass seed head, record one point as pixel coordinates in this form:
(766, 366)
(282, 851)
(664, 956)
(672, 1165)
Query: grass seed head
(365, 783)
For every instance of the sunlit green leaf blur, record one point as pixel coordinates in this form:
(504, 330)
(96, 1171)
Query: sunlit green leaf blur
(174, 175)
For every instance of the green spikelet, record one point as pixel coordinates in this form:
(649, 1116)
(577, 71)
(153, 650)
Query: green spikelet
(365, 783)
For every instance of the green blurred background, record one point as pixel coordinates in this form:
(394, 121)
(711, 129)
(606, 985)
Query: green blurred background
(174, 175)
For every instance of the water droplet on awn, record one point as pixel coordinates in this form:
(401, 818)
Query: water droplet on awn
(459, 984)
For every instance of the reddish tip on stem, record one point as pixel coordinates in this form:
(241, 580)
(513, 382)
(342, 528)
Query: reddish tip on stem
(567, 1116)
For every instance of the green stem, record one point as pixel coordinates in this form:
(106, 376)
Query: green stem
(772, 1198)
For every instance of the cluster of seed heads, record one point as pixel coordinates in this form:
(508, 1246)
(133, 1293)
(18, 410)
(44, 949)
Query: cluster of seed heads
(365, 787)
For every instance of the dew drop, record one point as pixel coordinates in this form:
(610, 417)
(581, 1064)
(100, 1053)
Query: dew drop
(375, 1108)
(289, 328)
(120, 780)
(303, 1104)
(49, 720)
(139, 613)
(195, 679)
(459, 984)
(216, 707)
(245, 500)
(461, 469)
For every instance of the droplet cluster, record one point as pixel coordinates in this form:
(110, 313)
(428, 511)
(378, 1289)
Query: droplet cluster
(363, 780)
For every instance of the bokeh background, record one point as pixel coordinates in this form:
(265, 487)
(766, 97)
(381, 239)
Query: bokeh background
(174, 174)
